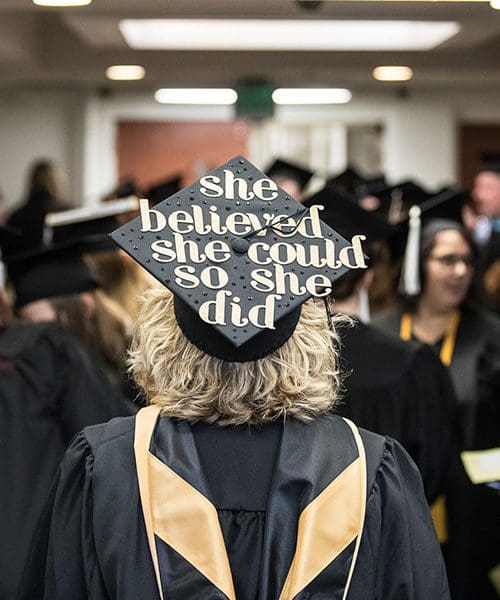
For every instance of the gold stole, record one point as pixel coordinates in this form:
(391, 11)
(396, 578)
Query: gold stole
(188, 522)
(438, 509)
(448, 347)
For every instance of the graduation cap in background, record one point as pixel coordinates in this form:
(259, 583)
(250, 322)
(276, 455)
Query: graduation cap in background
(240, 256)
(490, 162)
(164, 189)
(125, 189)
(396, 200)
(284, 169)
(371, 186)
(49, 272)
(349, 218)
(89, 226)
(444, 208)
(349, 181)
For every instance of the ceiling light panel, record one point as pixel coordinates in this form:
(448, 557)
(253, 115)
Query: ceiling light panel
(265, 34)
(311, 96)
(196, 96)
(62, 3)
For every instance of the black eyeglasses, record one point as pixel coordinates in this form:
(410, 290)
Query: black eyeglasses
(451, 260)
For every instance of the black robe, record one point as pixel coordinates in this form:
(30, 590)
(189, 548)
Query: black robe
(29, 219)
(49, 390)
(258, 481)
(475, 510)
(403, 391)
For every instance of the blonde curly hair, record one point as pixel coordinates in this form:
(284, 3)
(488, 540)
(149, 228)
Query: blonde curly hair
(301, 379)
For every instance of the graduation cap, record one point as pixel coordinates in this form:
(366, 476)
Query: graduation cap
(445, 210)
(396, 200)
(89, 226)
(164, 189)
(240, 256)
(348, 181)
(49, 272)
(491, 162)
(349, 218)
(283, 168)
(124, 189)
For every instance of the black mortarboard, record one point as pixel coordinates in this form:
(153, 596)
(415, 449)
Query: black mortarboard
(371, 187)
(284, 168)
(164, 189)
(348, 181)
(448, 204)
(89, 226)
(125, 189)
(395, 200)
(240, 256)
(49, 272)
(349, 218)
(491, 162)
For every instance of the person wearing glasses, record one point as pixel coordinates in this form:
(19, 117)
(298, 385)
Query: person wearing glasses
(440, 312)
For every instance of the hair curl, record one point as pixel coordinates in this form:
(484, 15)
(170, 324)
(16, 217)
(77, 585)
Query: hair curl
(301, 379)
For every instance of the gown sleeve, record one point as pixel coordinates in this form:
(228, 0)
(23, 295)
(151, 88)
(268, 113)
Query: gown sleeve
(62, 562)
(399, 556)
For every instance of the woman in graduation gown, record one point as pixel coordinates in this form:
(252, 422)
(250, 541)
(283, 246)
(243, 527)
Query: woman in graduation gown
(49, 391)
(236, 481)
(468, 342)
(391, 387)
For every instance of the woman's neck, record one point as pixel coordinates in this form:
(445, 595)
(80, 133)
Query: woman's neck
(430, 323)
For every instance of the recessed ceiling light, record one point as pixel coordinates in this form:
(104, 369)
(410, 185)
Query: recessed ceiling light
(62, 3)
(279, 34)
(393, 73)
(311, 96)
(196, 96)
(495, 4)
(125, 72)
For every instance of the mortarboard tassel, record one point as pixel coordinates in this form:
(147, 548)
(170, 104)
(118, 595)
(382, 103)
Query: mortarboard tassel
(364, 306)
(3, 277)
(410, 278)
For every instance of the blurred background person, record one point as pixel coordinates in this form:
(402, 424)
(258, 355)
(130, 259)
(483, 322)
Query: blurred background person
(55, 284)
(49, 390)
(290, 177)
(393, 388)
(467, 339)
(486, 228)
(119, 277)
(45, 194)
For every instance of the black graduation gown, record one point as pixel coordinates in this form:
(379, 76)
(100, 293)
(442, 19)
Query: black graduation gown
(29, 220)
(49, 390)
(92, 540)
(403, 391)
(475, 510)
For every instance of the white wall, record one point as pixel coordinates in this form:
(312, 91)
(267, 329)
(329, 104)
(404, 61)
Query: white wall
(78, 131)
(35, 126)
